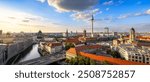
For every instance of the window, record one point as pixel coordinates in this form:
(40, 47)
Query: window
(133, 57)
(147, 62)
(136, 57)
(140, 57)
(147, 59)
(129, 56)
(129, 59)
(136, 60)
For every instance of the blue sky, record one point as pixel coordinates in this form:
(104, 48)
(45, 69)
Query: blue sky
(59, 15)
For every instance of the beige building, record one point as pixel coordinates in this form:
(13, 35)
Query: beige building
(51, 47)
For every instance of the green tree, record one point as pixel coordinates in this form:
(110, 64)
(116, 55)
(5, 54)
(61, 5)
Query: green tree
(92, 62)
(71, 62)
(108, 51)
(80, 60)
(115, 54)
(87, 61)
(105, 63)
(68, 46)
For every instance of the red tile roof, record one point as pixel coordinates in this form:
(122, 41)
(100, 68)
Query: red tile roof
(110, 60)
(145, 38)
(116, 61)
(73, 51)
(53, 44)
(76, 50)
(85, 47)
(73, 40)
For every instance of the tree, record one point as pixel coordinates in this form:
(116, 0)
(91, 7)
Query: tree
(108, 51)
(71, 61)
(92, 62)
(68, 46)
(115, 54)
(80, 60)
(87, 61)
(105, 63)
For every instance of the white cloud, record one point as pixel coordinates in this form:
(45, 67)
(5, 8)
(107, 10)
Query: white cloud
(108, 2)
(86, 14)
(124, 16)
(72, 5)
(148, 12)
(42, 1)
(18, 17)
(138, 14)
(16, 21)
(107, 9)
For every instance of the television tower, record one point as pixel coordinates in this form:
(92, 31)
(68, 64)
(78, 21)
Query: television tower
(92, 21)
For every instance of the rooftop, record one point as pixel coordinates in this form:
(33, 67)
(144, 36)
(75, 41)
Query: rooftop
(111, 60)
(81, 48)
(53, 44)
(116, 61)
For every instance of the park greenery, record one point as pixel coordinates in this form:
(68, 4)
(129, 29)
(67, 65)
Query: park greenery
(80, 60)
(69, 45)
(114, 54)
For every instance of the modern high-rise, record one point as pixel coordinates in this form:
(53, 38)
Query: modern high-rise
(107, 31)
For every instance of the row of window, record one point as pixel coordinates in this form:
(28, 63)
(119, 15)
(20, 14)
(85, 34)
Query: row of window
(147, 62)
(137, 57)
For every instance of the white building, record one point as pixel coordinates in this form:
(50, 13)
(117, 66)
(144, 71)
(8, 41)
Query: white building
(133, 53)
(52, 48)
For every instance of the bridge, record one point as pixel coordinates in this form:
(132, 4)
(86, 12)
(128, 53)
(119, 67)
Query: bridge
(45, 60)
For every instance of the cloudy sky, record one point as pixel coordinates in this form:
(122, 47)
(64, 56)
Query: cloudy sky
(74, 15)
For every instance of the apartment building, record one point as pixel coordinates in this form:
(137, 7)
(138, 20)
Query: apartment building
(133, 53)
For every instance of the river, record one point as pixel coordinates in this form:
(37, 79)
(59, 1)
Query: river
(30, 54)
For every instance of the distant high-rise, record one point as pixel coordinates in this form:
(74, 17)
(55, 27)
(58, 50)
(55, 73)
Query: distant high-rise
(115, 34)
(107, 30)
(76, 32)
(67, 33)
(84, 33)
(132, 35)
(1, 32)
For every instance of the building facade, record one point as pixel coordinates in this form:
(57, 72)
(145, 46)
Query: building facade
(133, 53)
(51, 48)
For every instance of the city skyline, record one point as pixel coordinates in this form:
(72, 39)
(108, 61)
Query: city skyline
(57, 16)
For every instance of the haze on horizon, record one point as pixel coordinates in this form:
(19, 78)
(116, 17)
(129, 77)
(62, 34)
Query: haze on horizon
(59, 15)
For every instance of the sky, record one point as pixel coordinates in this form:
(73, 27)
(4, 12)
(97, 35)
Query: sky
(74, 15)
